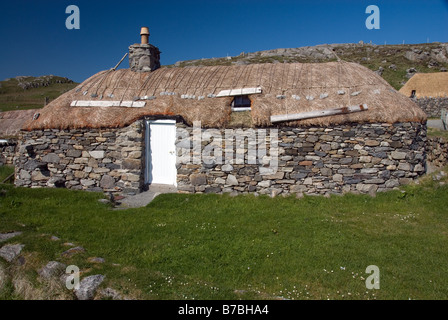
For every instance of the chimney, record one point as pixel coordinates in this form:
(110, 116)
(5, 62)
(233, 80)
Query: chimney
(144, 57)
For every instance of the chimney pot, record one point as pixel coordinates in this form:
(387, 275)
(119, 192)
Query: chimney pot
(144, 33)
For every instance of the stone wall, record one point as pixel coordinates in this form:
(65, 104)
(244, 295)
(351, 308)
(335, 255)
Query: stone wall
(82, 159)
(7, 151)
(437, 152)
(144, 57)
(348, 158)
(360, 158)
(432, 106)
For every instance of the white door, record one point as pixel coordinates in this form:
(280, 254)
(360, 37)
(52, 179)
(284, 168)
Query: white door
(160, 143)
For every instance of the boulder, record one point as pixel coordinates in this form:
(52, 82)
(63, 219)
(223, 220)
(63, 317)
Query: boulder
(88, 286)
(10, 251)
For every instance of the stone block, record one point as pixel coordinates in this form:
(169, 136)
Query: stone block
(198, 179)
(397, 155)
(97, 154)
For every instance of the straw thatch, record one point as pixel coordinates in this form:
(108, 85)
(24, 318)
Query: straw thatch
(12, 121)
(281, 84)
(427, 85)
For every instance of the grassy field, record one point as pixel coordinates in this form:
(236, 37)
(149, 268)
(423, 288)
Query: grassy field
(245, 247)
(13, 97)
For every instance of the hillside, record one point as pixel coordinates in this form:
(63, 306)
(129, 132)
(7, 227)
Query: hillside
(24, 92)
(395, 63)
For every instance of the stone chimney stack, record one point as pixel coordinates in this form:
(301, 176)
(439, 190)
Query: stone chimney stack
(144, 57)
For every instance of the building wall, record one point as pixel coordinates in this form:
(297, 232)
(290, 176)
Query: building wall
(432, 106)
(349, 158)
(82, 159)
(7, 152)
(362, 158)
(437, 152)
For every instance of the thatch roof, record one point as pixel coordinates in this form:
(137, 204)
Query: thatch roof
(190, 92)
(12, 121)
(427, 85)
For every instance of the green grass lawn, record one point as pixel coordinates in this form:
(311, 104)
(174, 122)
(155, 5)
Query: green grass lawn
(218, 247)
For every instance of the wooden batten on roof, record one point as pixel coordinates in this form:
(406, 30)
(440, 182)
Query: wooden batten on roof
(206, 93)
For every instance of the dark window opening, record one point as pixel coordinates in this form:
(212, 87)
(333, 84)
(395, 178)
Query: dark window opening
(413, 94)
(241, 103)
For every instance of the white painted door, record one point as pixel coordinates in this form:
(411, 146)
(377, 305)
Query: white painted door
(160, 146)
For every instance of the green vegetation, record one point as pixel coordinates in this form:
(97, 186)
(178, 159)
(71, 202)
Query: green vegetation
(5, 172)
(14, 96)
(220, 247)
(433, 132)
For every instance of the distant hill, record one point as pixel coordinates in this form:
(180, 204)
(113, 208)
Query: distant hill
(395, 63)
(25, 92)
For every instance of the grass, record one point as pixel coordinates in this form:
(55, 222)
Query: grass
(434, 132)
(218, 247)
(5, 172)
(13, 97)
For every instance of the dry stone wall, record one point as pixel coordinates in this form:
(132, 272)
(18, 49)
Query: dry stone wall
(7, 151)
(360, 158)
(432, 106)
(437, 152)
(82, 159)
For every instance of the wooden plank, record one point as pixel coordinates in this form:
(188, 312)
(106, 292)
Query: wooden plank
(238, 92)
(127, 104)
(317, 113)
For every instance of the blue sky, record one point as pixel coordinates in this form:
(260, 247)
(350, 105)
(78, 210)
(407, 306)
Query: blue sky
(35, 41)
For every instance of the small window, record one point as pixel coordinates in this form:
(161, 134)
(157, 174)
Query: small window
(413, 94)
(241, 103)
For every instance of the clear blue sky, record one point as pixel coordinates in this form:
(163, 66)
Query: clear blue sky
(35, 41)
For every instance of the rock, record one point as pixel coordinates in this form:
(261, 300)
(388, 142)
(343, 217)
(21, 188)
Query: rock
(107, 182)
(110, 293)
(397, 155)
(372, 143)
(87, 182)
(231, 180)
(73, 153)
(88, 286)
(98, 154)
(52, 269)
(419, 168)
(72, 251)
(131, 164)
(264, 183)
(198, 179)
(51, 158)
(227, 168)
(10, 251)
(96, 260)
(9, 235)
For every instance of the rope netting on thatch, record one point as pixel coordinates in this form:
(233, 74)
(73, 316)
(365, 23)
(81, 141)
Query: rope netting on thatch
(190, 92)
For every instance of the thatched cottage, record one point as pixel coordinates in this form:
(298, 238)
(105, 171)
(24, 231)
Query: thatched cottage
(316, 128)
(429, 91)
